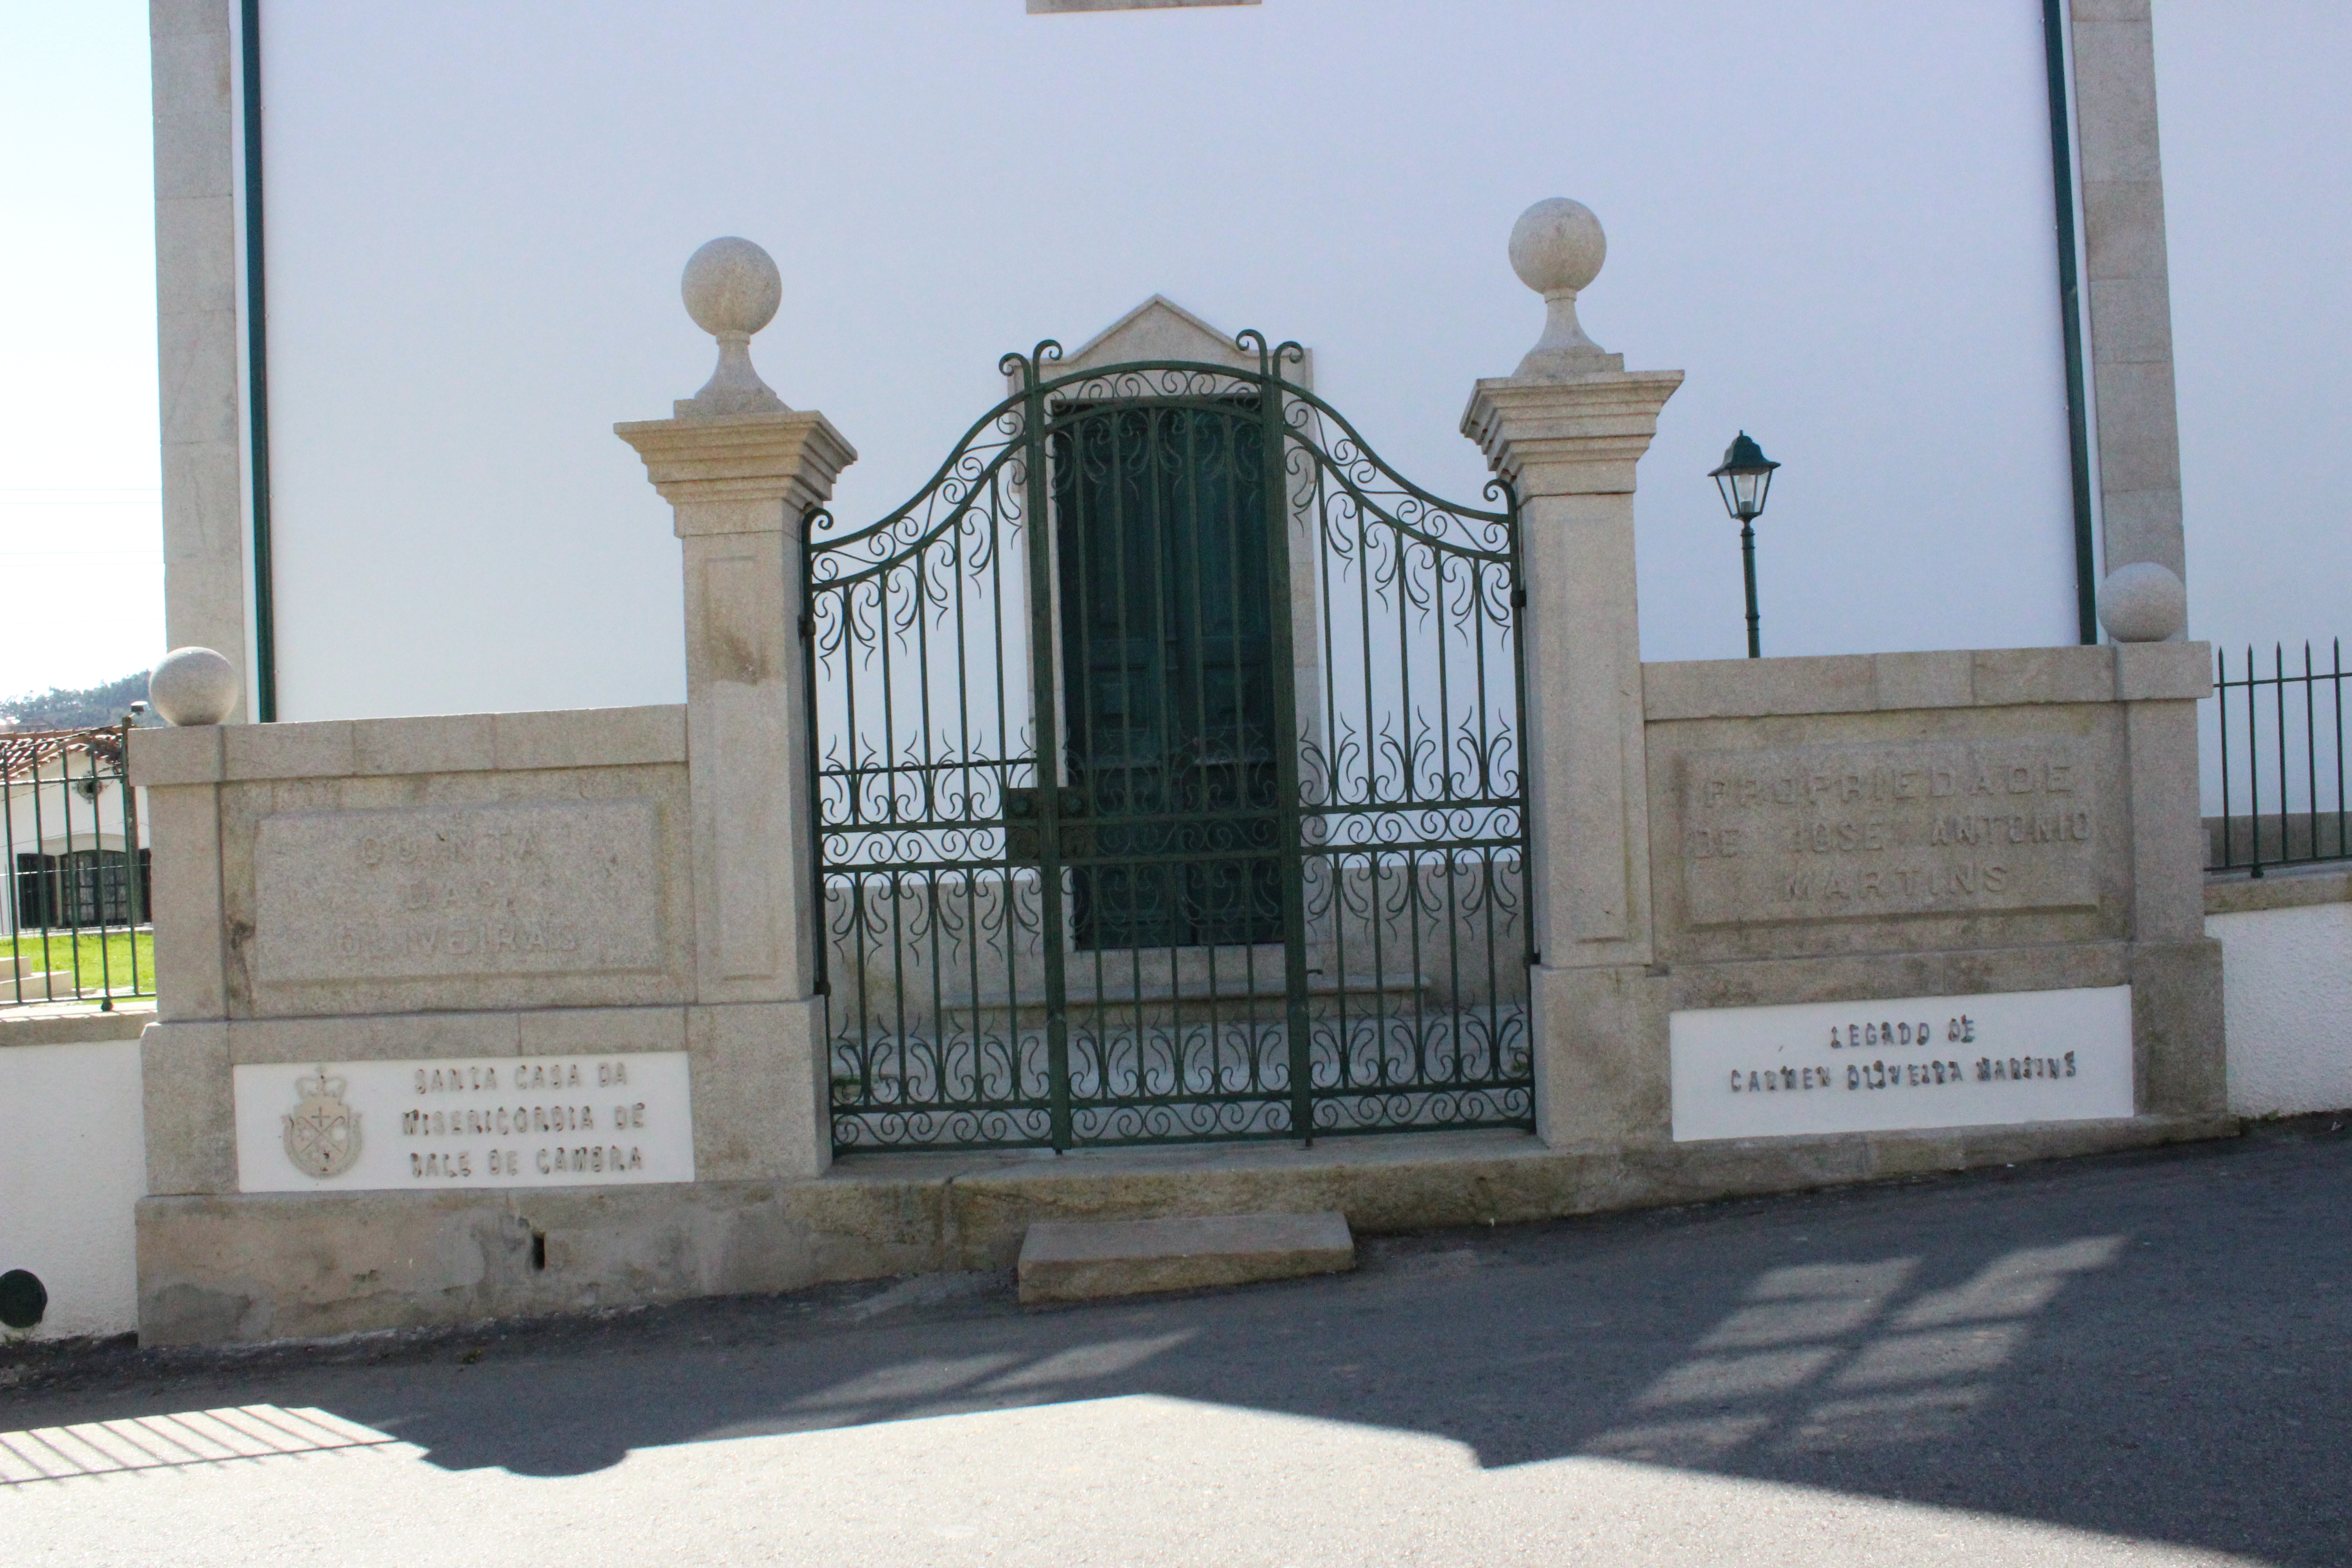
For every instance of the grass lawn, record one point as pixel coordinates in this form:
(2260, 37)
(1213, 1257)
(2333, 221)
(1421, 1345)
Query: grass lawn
(96, 961)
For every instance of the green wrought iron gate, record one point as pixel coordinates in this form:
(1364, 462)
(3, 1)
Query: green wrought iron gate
(1167, 779)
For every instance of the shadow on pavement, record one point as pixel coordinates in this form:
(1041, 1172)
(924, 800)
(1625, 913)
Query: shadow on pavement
(2153, 1346)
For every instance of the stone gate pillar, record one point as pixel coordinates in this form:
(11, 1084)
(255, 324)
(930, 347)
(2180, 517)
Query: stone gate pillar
(741, 470)
(1566, 431)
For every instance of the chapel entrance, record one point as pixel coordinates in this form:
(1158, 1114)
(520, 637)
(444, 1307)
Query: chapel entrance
(1165, 753)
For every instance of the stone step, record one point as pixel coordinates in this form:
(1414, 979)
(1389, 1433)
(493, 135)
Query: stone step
(1082, 1261)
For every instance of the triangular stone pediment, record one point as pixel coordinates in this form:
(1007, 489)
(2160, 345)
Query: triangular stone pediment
(1159, 328)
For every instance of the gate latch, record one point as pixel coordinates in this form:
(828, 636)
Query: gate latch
(1025, 838)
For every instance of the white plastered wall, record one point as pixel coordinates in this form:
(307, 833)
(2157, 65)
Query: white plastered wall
(73, 1162)
(1853, 249)
(2287, 985)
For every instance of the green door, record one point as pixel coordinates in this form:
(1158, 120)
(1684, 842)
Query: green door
(1168, 682)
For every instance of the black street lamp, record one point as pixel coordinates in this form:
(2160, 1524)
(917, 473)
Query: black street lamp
(1745, 478)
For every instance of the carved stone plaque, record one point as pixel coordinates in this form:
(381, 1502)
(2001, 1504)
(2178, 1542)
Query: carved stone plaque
(1905, 1062)
(1814, 833)
(479, 1122)
(528, 888)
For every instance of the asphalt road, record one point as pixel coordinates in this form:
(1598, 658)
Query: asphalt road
(2141, 1359)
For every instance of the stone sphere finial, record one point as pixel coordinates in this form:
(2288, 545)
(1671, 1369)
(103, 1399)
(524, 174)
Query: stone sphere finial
(2143, 602)
(731, 286)
(193, 685)
(1557, 244)
(731, 290)
(1556, 248)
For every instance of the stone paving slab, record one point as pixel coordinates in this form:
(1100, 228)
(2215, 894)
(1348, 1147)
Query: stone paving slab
(1062, 1261)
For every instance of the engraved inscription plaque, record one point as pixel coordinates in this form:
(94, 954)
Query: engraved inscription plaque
(1815, 832)
(476, 1122)
(527, 888)
(1902, 1063)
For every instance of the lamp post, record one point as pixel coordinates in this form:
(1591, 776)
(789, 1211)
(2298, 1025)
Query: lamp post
(1744, 478)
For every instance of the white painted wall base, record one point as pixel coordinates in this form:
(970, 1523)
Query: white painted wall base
(2287, 990)
(73, 1164)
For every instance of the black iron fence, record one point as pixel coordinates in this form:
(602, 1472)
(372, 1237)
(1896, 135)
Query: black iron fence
(78, 887)
(2281, 754)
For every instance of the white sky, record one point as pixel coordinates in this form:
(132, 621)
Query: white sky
(1837, 225)
(2258, 193)
(81, 565)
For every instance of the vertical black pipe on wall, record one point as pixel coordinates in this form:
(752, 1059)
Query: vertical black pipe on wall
(2070, 315)
(256, 375)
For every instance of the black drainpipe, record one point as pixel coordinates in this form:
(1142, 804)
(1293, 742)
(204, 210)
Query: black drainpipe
(2070, 315)
(257, 378)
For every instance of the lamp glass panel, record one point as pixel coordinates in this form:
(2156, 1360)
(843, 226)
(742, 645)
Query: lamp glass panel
(1743, 491)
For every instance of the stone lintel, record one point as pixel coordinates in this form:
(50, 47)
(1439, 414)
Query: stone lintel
(701, 465)
(439, 743)
(1573, 435)
(1899, 682)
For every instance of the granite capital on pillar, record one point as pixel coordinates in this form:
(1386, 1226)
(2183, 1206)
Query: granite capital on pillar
(1568, 445)
(740, 485)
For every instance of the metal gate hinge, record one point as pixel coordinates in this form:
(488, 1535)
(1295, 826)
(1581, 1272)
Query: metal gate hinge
(804, 625)
(1518, 598)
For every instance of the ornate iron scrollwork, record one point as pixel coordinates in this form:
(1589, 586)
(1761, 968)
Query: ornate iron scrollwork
(1279, 892)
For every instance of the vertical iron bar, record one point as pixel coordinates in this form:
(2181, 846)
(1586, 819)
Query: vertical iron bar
(2310, 754)
(1276, 501)
(1047, 769)
(1236, 588)
(45, 881)
(135, 867)
(69, 884)
(98, 855)
(2336, 670)
(1195, 644)
(1518, 601)
(98, 838)
(15, 900)
(821, 934)
(2221, 721)
(2253, 764)
(2278, 704)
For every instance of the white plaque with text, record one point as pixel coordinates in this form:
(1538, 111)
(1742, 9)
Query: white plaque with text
(477, 1122)
(1909, 1062)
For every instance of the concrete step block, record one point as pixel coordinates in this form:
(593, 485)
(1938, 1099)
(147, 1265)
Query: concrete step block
(1067, 1261)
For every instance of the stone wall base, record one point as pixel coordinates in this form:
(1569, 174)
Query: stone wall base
(260, 1267)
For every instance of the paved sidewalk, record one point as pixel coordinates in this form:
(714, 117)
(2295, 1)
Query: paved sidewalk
(2138, 1359)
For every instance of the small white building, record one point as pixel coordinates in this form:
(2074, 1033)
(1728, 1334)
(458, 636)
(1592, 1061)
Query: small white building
(71, 827)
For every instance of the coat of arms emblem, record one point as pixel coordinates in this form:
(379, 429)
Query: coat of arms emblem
(322, 1133)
